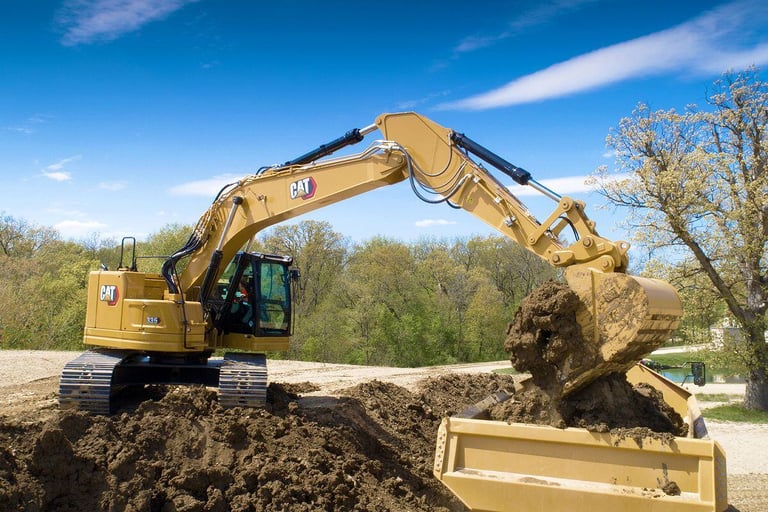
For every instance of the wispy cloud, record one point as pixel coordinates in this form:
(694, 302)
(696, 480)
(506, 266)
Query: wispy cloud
(206, 188)
(565, 186)
(55, 171)
(58, 176)
(412, 104)
(112, 186)
(78, 228)
(428, 223)
(706, 44)
(540, 14)
(88, 21)
(61, 163)
(29, 125)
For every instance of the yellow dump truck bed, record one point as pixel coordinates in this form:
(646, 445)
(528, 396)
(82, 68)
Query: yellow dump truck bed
(498, 466)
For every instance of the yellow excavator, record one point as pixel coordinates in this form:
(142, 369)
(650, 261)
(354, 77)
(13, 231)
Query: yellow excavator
(163, 328)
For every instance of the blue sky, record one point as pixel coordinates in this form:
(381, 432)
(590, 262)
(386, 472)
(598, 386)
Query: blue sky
(118, 117)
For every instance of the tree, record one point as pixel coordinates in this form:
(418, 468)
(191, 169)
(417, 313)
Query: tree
(317, 250)
(320, 254)
(18, 238)
(698, 181)
(388, 304)
(42, 300)
(158, 246)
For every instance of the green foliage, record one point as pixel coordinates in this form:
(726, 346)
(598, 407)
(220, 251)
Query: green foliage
(153, 252)
(42, 300)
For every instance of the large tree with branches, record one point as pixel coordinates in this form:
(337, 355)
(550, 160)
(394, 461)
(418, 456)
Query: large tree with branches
(696, 184)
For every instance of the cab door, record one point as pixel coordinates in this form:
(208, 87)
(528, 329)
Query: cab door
(256, 293)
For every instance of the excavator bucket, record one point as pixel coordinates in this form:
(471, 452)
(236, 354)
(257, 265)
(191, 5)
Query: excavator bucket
(623, 318)
(567, 336)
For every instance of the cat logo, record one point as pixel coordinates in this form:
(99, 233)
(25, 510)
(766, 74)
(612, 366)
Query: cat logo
(304, 188)
(109, 294)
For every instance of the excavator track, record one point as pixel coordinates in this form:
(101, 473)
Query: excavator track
(86, 382)
(243, 380)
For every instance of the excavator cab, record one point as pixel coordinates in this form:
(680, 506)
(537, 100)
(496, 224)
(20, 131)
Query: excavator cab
(253, 296)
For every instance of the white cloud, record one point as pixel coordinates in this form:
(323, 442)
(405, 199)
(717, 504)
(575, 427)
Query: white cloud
(58, 176)
(412, 104)
(78, 228)
(61, 163)
(540, 14)
(29, 125)
(206, 188)
(112, 186)
(87, 21)
(564, 186)
(54, 171)
(704, 44)
(26, 130)
(428, 223)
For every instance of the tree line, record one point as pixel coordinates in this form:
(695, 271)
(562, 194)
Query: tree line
(377, 302)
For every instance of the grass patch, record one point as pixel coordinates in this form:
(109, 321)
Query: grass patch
(715, 397)
(736, 412)
(678, 359)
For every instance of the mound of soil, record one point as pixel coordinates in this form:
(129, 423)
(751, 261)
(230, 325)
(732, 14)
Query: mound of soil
(609, 404)
(370, 449)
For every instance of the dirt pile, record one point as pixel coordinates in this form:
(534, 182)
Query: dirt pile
(545, 340)
(370, 449)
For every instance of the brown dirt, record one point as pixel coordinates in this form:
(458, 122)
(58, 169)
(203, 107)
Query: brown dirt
(372, 441)
(545, 340)
(369, 449)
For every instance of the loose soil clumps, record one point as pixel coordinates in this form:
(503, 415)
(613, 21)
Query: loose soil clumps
(545, 339)
(370, 449)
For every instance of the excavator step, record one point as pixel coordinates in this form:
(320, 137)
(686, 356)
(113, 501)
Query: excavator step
(243, 380)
